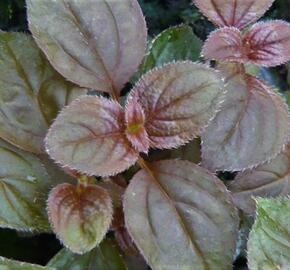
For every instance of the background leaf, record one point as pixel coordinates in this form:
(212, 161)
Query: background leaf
(269, 242)
(6, 264)
(173, 44)
(181, 216)
(179, 100)
(268, 180)
(31, 92)
(24, 184)
(80, 215)
(251, 128)
(89, 136)
(106, 256)
(71, 33)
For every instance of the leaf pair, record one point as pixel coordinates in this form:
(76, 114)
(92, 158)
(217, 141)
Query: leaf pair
(266, 44)
(168, 107)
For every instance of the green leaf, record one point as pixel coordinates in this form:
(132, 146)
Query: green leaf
(6, 264)
(31, 92)
(106, 256)
(175, 43)
(97, 44)
(24, 184)
(80, 215)
(181, 217)
(269, 242)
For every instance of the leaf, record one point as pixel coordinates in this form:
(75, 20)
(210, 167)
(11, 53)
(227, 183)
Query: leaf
(181, 217)
(174, 43)
(268, 43)
(269, 242)
(225, 44)
(251, 128)
(80, 215)
(269, 180)
(106, 256)
(24, 184)
(135, 130)
(31, 92)
(6, 264)
(96, 44)
(237, 13)
(89, 136)
(179, 100)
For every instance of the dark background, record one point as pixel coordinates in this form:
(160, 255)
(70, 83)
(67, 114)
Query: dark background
(160, 14)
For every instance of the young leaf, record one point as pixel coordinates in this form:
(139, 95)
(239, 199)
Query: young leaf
(268, 43)
(80, 215)
(269, 241)
(181, 217)
(6, 264)
(225, 44)
(89, 136)
(251, 128)
(96, 44)
(106, 256)
(179, 100)
(135, 131)
(174, 43)
(31, 92)
(24, 185)
(237, 13)
(268, 180)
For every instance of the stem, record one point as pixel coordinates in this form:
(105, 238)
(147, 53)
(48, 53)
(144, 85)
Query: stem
(114, 94)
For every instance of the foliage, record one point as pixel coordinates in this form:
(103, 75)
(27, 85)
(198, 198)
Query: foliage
(126, 121)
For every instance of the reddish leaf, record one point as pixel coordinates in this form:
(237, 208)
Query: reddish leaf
(89, 136)
(268, 43)
(237, 13)
(224, 44)
(252, 127)
(94, 43)
(80, 215)
(181, 217)
(178, 100)
(268, 180)
(135, 131)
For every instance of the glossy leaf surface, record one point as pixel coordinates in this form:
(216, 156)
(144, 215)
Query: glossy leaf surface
(80, 216)
(173, 44)
(24, 184)
(251, 128)
(268, 180)
(89, 136)
(178, 100)
(31, 92)
(268, 43)
(6, 264)
(269, 241)
(181, 216)
(96, 44)
(237, 13)
(106, 256)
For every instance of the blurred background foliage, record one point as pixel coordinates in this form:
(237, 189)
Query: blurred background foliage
(160, 14)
